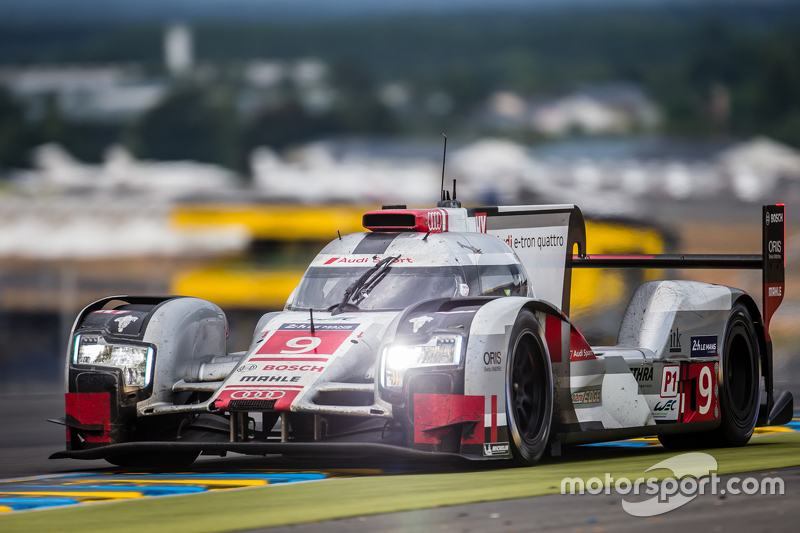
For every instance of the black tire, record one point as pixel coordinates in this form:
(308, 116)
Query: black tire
(180, 459)
(529, 391)
(739, 380)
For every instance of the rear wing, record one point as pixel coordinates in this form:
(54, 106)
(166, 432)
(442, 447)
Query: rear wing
(771, 261)
(776, 407)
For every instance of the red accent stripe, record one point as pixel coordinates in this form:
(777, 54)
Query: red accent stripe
(91, 408)
(552, 335)
(597, 256)
(494, 418)
(265, 386)
(289, 359)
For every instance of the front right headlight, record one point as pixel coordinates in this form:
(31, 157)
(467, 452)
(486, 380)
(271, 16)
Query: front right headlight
(135, 361)
(397, 358)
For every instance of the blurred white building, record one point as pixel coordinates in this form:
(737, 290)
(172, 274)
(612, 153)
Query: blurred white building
(615, 108)
(123, 203)
(57, 172)
(178, 49)
(101, 93)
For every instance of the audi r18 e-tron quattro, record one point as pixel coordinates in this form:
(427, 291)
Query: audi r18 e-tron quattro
(436, 331)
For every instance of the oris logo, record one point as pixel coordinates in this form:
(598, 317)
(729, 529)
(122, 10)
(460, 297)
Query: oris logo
(257, 394)
(775, 246)
(492, 358)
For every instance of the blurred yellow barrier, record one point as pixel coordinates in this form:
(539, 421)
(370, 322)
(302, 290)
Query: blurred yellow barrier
(598, 287)
(274, 222)
(231, 287)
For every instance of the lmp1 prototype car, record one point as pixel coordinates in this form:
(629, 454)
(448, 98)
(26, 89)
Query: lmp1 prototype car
(438, 332)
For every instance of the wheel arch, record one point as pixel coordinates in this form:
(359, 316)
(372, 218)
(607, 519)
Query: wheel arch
(491, 330)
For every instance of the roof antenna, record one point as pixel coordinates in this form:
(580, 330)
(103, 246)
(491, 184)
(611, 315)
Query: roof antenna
(311, 317)
(340, 235)
(446, 201)
(425, 238)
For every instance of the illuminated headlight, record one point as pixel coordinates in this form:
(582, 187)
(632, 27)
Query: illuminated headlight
(439, 350)
(135, 361)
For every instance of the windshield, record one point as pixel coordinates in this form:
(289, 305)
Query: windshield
(397, 288)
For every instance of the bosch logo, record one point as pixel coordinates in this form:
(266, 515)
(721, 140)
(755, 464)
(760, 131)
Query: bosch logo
(257, 394)
(247, 368)
(774, 217)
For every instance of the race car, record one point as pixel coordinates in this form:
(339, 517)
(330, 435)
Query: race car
(441, 332)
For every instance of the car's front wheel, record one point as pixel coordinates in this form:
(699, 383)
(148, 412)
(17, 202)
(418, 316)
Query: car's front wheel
(529, 391)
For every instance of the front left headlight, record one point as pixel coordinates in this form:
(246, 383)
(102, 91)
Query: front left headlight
(396, 359)
(135, 361)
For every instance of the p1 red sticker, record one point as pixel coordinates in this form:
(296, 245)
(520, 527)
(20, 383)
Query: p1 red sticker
(670, 375)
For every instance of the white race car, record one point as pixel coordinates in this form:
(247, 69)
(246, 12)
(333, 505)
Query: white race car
(439, 331)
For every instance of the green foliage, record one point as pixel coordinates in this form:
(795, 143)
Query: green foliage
(191, 123)
(287, 125)
(15, 137)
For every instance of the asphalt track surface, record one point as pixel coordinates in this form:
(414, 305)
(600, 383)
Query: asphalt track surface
(28, 440)
(587, 513)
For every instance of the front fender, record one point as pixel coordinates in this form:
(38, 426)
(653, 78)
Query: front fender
(486, 359)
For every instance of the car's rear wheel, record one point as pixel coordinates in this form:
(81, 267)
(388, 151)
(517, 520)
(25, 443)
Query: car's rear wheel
(739, 388)
(176, 459)
(529, 391)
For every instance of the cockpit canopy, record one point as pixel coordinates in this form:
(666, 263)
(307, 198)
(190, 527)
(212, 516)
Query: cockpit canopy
(439, 265)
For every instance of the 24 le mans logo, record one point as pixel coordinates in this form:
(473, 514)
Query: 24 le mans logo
(704, 346)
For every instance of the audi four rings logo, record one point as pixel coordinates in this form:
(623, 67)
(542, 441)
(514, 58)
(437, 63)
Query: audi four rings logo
(257, 394)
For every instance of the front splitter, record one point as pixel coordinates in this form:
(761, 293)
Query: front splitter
(258, 448)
